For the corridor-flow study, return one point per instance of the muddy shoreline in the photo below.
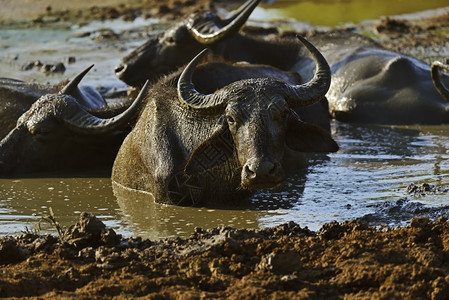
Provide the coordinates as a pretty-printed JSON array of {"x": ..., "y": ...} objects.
[{"x": 348, "y": 259}]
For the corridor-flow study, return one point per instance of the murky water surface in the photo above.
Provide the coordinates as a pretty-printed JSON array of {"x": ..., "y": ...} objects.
[
  {"x": 371, "y": 171},
  {"x": 367, "y": 177}
]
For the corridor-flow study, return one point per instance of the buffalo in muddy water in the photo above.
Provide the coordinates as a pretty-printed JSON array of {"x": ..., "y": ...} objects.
[
  {"x": 57, "y": 134},
  {"x": 166, "y": 52},
  {"x": 374, "y": 85},
  {"x": 369, "y": 84},
  {"x": 191, "y": 146}
]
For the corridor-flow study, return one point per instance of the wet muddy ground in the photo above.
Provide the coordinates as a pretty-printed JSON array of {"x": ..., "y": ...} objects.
[{"x": 347, "y": 259}]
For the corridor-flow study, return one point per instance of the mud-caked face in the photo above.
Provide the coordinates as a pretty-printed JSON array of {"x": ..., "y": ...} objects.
[
  {"x": 258, "y": 127},
  {"x": 161, "y": 54},
  {"x": 39, "y": 120},
  {"x": 38, "y": 142}
]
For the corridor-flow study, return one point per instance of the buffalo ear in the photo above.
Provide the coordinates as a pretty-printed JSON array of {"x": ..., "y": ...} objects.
[
  {"x": 215, "y": 150},
  {"x": 305, "y": 137}
]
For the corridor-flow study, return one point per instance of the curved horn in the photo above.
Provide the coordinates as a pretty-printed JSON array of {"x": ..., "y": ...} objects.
[
  {"x": 190, "y": 97},
  {"x": 70, "y": 87},
  {"x": 232, "y": 25},
  {"x": 312, "y": 91},
  {"x": 74, "y": 117},
  {"x": 436, "y": 78}
]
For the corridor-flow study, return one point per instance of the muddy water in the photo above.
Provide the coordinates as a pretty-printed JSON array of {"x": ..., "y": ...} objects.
[
  {"x": 367, "y": 178},
  {"x": 95, "y": 43}
]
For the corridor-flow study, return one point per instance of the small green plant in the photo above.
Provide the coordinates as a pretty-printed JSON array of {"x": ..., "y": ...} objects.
[{"x": 50, "y": 218}]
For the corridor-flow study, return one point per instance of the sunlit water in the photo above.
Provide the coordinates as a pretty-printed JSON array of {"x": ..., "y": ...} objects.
[{"x": 368, "y": 175}]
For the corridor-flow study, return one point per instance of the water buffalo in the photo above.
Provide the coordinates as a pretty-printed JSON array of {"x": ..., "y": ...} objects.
[
  {"x": 190, "y": 147},
  {"x": 166, "y": 52},
  {"x": 374, "y": 85},
  {"x": 369, "y": 84},
  {"x": 58, "y": 134},
  {"x": 17, "y": 96}
]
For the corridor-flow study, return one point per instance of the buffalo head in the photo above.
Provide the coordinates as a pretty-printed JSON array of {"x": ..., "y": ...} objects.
[
  {"x": 173, "y": 48},
  {"x": 256, "y": 121},
  {"x": 58, "y": 134}
]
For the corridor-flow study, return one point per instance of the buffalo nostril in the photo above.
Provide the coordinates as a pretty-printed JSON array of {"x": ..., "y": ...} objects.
[
  {"x": 120, "y": 69},
  {"x": 249, "y": 173}
]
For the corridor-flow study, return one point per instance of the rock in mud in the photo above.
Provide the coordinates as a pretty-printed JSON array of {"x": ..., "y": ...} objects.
[
  {"x": 284, "y": 262},
  {"x": 89, "y": 230},
  {"x": 423, "y": 189},
  {"x": 44, "y": 67}
]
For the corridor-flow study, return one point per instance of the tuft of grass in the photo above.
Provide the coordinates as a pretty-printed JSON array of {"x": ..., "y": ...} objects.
[{"x": 50, "y": 219}]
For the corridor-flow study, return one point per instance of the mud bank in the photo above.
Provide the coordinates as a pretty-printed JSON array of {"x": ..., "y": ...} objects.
[{"x": 341, "y": 260}]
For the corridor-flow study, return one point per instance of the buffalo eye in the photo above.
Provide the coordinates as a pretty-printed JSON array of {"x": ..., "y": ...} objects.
[
  {"x": 170, "y": 40},
  {"x": 37, "y": 130},
  {"x": 230, "y": 120},
  {"x": 34, "y": 130}
]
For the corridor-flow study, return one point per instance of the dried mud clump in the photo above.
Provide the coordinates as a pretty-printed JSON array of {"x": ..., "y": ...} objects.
[
  {"x": 424, "y": 37},
  {"x": 341, "y": 260},
  {"x": 396, "y": 27},
  {"x": 426, "y": 189}
]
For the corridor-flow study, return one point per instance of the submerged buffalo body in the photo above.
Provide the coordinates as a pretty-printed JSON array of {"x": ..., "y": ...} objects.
[
  {"x": 374, "y": 85},
  {"x": 167, "y": 51},
  {"x": 369, "y": 84},
  {"x": 58, "y": 134},
  {"x": 191, "y": 146}
]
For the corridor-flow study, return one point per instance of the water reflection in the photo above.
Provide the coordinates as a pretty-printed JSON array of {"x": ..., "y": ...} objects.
[
  {"x": 375, "y": 165},
  {"x": 24, "y": 201},
  {"x": 149, "y": 219}
]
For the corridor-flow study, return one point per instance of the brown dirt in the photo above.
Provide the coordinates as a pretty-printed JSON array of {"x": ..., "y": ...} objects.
[
  {"x": 347, "y": 260},
  {"x": 426, "y": 38}
]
